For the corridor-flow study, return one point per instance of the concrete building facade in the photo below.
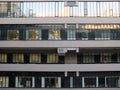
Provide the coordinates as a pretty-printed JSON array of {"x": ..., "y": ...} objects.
[{"x": 59, "y": 44}]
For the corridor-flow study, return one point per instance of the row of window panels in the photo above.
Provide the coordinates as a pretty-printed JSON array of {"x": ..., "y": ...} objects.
[
  {"x": 88, "y": 80},
  {"x": 53, "y": 58},
  {"x": 59, "y": 9},
  {"x": 60, "y": 26},
  {"x": 60, "y": 34}
]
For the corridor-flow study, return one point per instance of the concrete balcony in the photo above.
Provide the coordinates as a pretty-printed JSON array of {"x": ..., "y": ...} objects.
[
  {"x": 61, "y": 44},
  {"x": 60, "y": 67},
  {"x": 61, "y": 20}
]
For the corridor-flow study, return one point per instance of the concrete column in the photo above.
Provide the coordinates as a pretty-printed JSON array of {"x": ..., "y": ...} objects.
[
  {"x": 65, "y": 74},
  {"x": 105, "y": 81},
  {"x": 77, "y": 25},
  {"x": 43, "y": 82},
  {"x": 16, "y": 82},
  {"x": 7, "y": 81},
  {"x": 59, "y": 82},
  {"x": 97, "y": 82},
  {"x": 71, "y": 82},
  {"x": 27, "y": 34},
  {"x": 77, "y": 74},
  {"x": 65, "y": 25},
  {"x": 33, "y": 81},
  {"x": 119, "y": 82},
  {"x": 83, "y": 82}
]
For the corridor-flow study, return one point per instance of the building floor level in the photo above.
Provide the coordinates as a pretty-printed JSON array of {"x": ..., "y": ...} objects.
[{"x": 26, "y": 79}]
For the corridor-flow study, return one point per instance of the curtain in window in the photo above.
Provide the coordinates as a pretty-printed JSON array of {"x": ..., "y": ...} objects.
[
  {"x": 3, "y": 57},
  {"x": 35, "y": 58},
  {"x": 54, "y": 35},
  {"x": 52, "y": 58},
  {"x": 105, "y": 58},
  {"x": 32, "y": 35},
  {"x": 18, "y": 58},
  {"x": 4, "y": 81},
  {"x": 13, "y": 35},
  {"x": 25, "y": 81},
  {"x": 88, "y": 58}
]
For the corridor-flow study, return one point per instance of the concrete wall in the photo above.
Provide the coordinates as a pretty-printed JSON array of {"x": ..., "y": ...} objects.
[
  {"x": 62, "y": 44},
  {"x": 60, "y": 67},
  {"x": 60, "y": 20}
]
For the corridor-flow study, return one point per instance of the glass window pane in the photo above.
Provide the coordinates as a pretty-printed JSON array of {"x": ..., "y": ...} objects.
[
  {"x": 33, "y": 34},
  {"x": 71, "y": 34},
  {"x": 105, "y": 58},
  {"x": 35, "y": 58},
  {"x": 54, "y": 35},
  {"x": 52, "y": 58},
  {"x": 3, "y": 57},
  {"x": 112, "y": 81},
  {"x": 88, "y": 58},
  {"x": 52, "y": 82},
  {"x": 18, "y": 58},
  {"x": 102, "y": 82},
  {"x": 25, "y": 81},
  {"x": 13, "y": 35},
  {"x": 90, "y": 82},
  {"x": 4, "y": 81}
]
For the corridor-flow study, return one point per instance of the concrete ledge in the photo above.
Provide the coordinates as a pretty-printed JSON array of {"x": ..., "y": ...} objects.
[
  {"x": 61, "y": 20},
  {"x": 60, "y": 67},
  {"x": 58, "y": 44}
]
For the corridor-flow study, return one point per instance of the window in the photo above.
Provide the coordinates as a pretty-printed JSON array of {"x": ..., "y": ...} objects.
[
  {"x": 105, "y": 58},
  {"x": 90, "y": 82},
  {"x": 101, "y": 81},
  {"x": 18, "y": 58},
  {"x": 71, "y": 3},
  {"x": 102, "y": 35},
  {"x": 4, "y": 81},
  {"x": 71, "y": 34},
  {"x": 54, "y": 35},
  {"x": 13, "y": 35},
  {"x": 112, "y": 81},
  {"x": 88, "y": 58},
  {"x": 85, "y": 9},
  {"x": 84, "y": 34},
  {"x": 51, "y": 82},
  {"x": 25, "y": 81},
  {"x": 118, "y": 58},
  {"x": 52, "y": 58},
  {"x": 33, "y": 35},
  {"x": 3, "y": 57},
  {"x": 35, "y": 58}
]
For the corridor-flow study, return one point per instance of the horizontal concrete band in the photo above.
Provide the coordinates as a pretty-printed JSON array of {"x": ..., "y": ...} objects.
[
  {"x": 60, "y": 67},
  {"x": 61, "y": 20},
  {"x": 60, "y": 44}
]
